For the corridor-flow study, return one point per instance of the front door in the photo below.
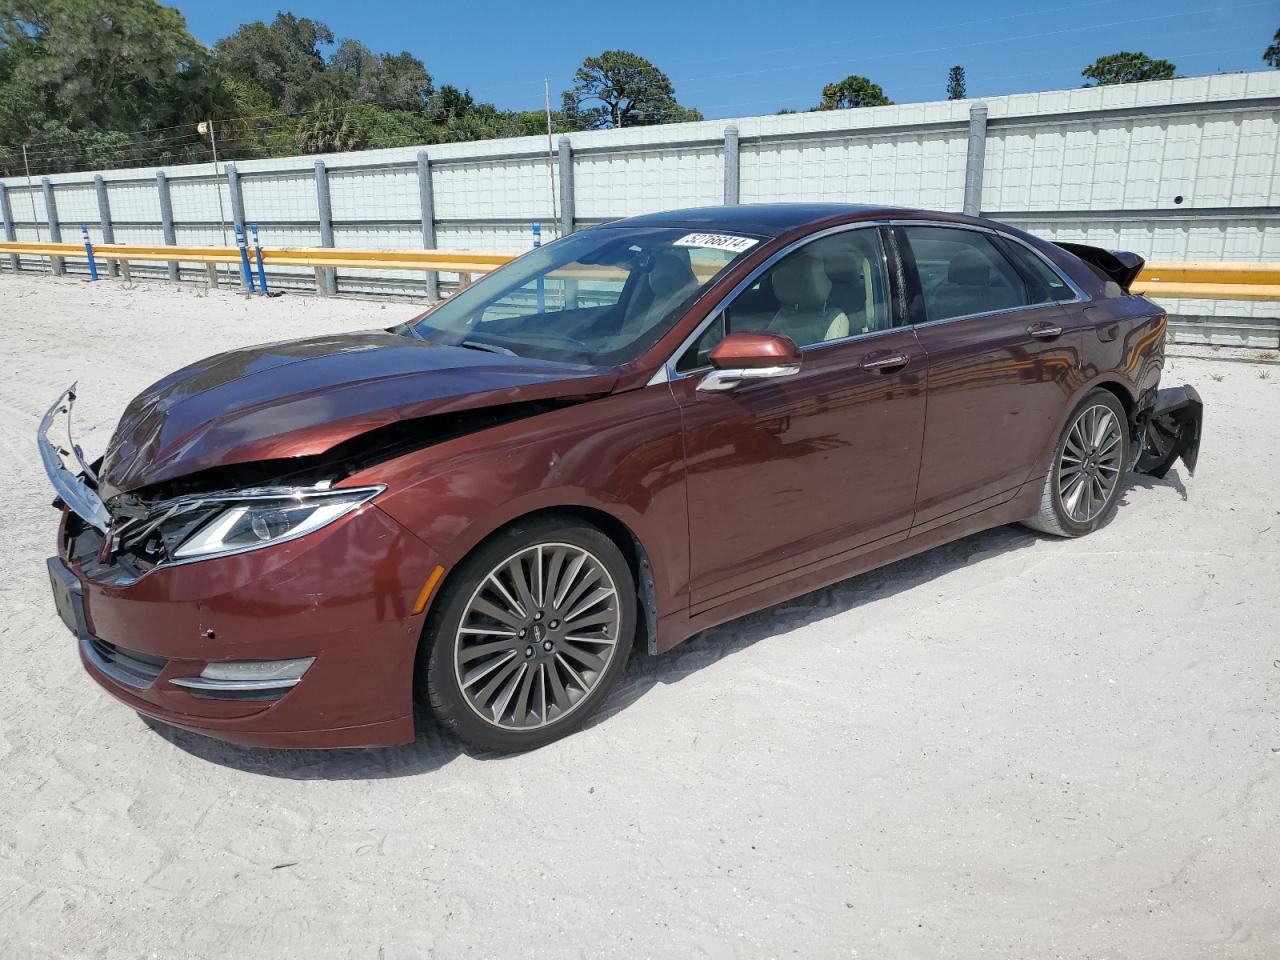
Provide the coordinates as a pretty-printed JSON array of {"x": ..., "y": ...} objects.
[{"x": 784, "y": 475}]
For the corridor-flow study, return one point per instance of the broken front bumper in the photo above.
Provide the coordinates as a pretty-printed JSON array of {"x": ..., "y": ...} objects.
[
  {"x": 73, "y": 489},
  {"x": 1170, "y": 430}
]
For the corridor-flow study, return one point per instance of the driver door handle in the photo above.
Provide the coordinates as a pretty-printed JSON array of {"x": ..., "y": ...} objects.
[
  {"x": 885, "y": 361},
  {"x": 1044, "y": 330}
]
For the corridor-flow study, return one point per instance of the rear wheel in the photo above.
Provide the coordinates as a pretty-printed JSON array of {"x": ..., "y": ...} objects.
[
  {"x": 529, "y": 634},
  {"x": 1087, "y": 470}
]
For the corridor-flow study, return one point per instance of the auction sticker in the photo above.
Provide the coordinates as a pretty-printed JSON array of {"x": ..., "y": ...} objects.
[{"x": 717, "y": 241}]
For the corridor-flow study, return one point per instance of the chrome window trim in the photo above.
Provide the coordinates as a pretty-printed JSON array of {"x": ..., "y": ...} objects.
[{"x": 667, "y": 372}]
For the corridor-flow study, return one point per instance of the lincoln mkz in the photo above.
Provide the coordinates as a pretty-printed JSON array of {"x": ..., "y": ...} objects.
[{"x": 617, "y": 440}]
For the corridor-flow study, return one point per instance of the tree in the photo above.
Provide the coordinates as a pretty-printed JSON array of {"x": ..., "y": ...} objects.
[
  {"x": 1126, "y": 67},
  {"x": 1272, "y": 54},
  {"x": 956, "y": 89},
  {"x": 99, "y": 64},
  {"x": 282, "y": 58},
  {"x": 621, "y": 89},
  {"x": 852, "y": 91},
  {"x": 394, "y": 81}
]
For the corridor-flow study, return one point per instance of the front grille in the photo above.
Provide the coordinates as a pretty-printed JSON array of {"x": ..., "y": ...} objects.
[{"x": 124, "y": 666}]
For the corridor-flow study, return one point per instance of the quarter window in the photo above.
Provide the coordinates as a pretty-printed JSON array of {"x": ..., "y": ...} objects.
[
  {"x": 830, "y": 289},
  {"x": 1044, "y": 284},
  {"x": 962, "y": 272}
]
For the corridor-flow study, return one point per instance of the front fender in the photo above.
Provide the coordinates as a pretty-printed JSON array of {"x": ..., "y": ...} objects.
[{"x": 620, "y": 455}]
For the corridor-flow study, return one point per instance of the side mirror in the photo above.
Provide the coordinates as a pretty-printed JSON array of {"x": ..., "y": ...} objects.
[{"x": 750, "y": 356}]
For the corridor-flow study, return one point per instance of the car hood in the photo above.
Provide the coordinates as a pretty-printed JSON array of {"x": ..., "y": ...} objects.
[{"x": 301, "y": 397}]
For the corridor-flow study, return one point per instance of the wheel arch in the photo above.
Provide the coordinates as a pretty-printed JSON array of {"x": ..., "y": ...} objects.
[{"x": 613, "y": 527}]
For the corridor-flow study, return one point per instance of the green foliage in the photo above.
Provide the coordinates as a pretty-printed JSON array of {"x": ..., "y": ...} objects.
[
  {"x": 283, "y": 58},
  {"x": 1272, "y": 54},
  {"x": 852, "y": 91},
  {"x": 88, "y": 84},
  {"x": 1126, "y": 67},
  {"x": 75, "y": 67},
  {"x": 956, "y": 89},
  {"x": 398, "y": 81},
  {"x": 622, "y": 89}
]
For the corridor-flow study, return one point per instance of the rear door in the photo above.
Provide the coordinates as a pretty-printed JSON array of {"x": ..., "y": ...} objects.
[{"x": 1002, "y": 361}]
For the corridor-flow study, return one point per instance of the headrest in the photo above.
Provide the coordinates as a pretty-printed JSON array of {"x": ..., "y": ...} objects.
[
  {"x": 969, "y": 269},
  {"x": 843, "y": 267},
  {"x": 670, "y": 272},
  {"x": 801, "y": 282}
]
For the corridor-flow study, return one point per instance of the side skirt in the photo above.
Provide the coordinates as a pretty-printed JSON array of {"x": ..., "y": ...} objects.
[{"x": 678, "y": 627}]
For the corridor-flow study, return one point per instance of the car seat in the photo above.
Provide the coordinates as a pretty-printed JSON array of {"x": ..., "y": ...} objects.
[{"x": 803, "y": 289}]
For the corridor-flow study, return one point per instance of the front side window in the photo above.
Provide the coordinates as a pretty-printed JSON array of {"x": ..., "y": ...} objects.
[
  {"x": 962, "y": 272},
  {"x": 830, "y": 289},
  {"x": 602, "y": 296}
]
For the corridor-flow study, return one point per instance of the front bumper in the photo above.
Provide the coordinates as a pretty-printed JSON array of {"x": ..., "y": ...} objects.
[
  {"x": 343, "y": 596},
  {"x": 341, "y": 599}
]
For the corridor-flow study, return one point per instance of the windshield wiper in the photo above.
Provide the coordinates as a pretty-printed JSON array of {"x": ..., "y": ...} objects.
[{"x": 488, "y": 348}]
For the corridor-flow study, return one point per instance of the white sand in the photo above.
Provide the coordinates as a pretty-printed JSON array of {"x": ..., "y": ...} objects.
[{"x": 1007, "y": 747}]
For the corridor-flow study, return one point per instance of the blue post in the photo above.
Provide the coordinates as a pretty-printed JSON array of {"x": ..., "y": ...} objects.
[
  {"x": 245, "y": 273},
  {"x": 88, "y": 252},
  {"x": 542, "y": 289},
  {"x": 257, "y": 253}
]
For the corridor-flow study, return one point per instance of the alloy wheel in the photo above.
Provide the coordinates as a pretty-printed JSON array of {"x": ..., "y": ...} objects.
[
  {"x": 1090, "y": 464},
  {"x": 536, "y": 636}
]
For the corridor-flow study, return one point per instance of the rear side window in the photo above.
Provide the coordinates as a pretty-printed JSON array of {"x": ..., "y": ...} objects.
[
  {"x": 1044, "y": 284},
  {"x": 962, "y": 272}
]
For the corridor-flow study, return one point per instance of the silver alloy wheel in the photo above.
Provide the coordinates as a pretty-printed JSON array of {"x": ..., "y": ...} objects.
[
  {"x": 1090, "y": 465},
  {"x": 536, "y": 636}
]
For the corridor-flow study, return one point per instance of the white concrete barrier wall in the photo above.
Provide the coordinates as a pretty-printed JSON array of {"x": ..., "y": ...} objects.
[{"x": 1177, "y": 169}]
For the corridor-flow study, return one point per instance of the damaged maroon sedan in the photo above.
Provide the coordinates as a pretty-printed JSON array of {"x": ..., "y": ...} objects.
[{"x": 622, "y": 438}]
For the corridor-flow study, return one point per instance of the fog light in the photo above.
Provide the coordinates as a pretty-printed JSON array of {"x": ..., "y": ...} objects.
[
  {"x": 258, "y": 669},
  {"x": 241, "y": 676}
]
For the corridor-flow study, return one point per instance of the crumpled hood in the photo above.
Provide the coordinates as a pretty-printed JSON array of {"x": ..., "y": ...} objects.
[{"x": 301, "y": 397}]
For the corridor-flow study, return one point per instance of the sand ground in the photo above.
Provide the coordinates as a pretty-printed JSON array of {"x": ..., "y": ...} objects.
[{"x": 1011, "y": 746}]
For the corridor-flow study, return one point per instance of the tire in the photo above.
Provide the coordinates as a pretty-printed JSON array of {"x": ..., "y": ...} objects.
[
  {"x": 1084, "y": 501},
  {"x": 508, "y": 682}
]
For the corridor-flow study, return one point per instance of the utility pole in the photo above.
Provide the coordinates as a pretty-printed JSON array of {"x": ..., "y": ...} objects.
[
  {"x": 207, "y": 125},
  {"x": 31, "y": 194},
  {"x": 551, "y": 153}
]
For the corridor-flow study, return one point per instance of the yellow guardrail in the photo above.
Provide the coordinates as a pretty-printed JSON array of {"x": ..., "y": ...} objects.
[
  {"x": 1192, "y": 279},
  {"x": 1210, "y": 280}
]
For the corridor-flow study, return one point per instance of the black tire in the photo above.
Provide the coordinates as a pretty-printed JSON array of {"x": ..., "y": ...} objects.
[
  {"x": 439, "y": 671},
  {"x": 1054, "y": 516}
]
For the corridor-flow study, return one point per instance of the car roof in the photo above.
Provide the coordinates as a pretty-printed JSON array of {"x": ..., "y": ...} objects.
[{"x": 767, "y": 219}]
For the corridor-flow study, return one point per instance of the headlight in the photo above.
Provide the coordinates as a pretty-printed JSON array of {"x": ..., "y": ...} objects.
[{"x": 214, "y": 525}]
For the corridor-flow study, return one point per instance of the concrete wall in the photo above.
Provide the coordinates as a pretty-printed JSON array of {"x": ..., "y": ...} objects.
[{"x": 1103, "y": 165}]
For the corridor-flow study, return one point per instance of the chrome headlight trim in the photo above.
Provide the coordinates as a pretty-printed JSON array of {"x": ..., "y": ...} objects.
[{"x": 237, "y": 504}]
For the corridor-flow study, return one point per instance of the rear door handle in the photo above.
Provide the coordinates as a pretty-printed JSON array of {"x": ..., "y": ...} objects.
[
  {"x": 1044, "y": 330},
  {"x": 884, "y": 361}
]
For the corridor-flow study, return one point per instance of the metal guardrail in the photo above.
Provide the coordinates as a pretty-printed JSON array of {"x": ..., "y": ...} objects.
[
  {"x": 1192, "y": 280},
  {"x": 1210, "y": 280}
]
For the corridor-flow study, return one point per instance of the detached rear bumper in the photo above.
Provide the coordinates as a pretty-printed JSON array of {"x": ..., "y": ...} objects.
[{"x": 1170, "y": 430}]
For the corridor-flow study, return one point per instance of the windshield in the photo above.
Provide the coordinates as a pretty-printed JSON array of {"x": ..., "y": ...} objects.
[{"x": 602, "y": 296}]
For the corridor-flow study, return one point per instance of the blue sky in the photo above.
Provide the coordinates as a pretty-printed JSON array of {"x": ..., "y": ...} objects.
[{"x": 739, "y": 59}]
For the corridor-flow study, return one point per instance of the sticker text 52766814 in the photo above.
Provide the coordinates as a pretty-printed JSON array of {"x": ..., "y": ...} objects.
[{"x": 717, "y": 241}]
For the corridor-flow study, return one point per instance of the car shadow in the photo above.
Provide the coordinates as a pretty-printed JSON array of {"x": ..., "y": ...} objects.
[
  {"x": 1143, "y": 481},
  {"x": 433, "y": 748}
]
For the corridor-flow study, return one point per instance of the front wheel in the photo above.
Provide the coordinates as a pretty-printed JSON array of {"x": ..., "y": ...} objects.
[
  {"x": 529, "y": 634},
  {"x": 1088, "y": 466}
]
